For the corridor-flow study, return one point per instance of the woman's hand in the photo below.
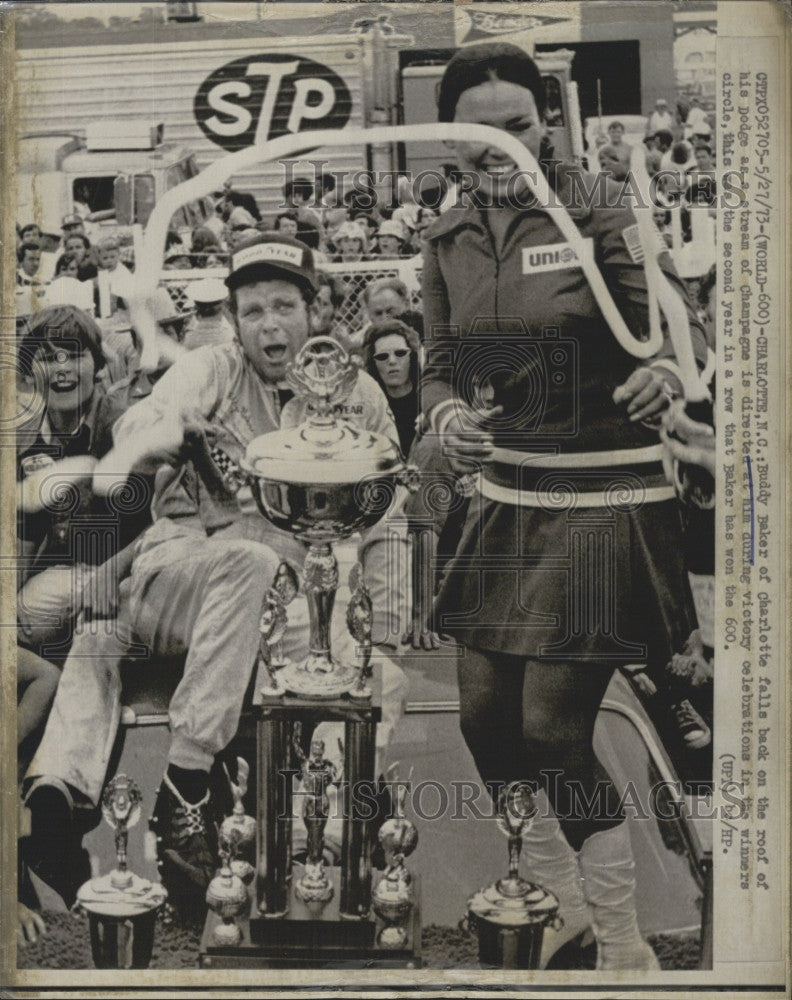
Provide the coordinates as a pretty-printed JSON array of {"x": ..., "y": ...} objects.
[
  {"x": 465, "y": 442},
  {"x": 692, "y": 442},
  {"x": 643, "y": 395}
]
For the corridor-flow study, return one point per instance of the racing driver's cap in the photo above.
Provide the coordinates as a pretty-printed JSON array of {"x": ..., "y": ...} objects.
[{"x": 273, "y": 255}]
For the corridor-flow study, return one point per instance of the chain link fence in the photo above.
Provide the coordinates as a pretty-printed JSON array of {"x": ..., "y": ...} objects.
[{"x": 350, "y": 279}]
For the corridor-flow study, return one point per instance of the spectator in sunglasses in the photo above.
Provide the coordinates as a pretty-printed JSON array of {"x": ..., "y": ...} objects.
[{"x": 391, "y": 352}]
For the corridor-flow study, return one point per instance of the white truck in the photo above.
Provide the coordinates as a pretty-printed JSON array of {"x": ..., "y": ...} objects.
[{"x": 112, "y": 175}]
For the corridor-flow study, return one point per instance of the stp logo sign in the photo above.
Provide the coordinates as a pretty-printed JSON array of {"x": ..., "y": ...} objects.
[{"x": 264, "y": 96}]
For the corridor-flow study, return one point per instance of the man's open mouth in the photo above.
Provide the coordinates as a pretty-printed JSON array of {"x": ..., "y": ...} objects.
[
  {"x": 275, "y": 352},
  {"x": 63, "y": 386}
]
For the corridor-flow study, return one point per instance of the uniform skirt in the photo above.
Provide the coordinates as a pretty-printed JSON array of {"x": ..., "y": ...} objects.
[{"x": 591, "y": 585}]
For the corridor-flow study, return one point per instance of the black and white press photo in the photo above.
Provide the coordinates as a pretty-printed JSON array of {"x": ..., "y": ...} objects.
[{"x": 393, "y": 433}]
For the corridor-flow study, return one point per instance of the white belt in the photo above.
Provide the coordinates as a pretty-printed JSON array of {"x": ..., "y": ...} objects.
[
  {"x": 563, "y": 501},
  {"x": 582, "y": 459}
]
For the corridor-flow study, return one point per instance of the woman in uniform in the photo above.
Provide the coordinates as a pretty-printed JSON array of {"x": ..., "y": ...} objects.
[{"x": 569, "y": 563}]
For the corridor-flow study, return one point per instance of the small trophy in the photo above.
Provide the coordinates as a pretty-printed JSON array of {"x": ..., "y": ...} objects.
[
  {"x": 238, "y": 831},
  {"x": 510, "y": 915},
  {"x": 393, "y": 898},
  {"x": 359, "y": 618},
  {"x": 227, "y": 896},
  {"x": 122, "y": 907},
  {"x": 317, "y": 774},
  {"x": 272, "y": 627},
  {"x": 286, "y": 585}
]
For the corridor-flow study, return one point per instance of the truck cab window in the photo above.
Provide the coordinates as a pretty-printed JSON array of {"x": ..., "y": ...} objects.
[{"x": 93, "y": 193}]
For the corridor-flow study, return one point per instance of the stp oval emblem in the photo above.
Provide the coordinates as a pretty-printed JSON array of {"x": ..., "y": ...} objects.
[{"x": 262, "y": 97}]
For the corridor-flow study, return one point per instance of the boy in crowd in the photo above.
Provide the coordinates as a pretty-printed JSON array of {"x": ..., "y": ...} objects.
[
  {"x": 60, "y": 553},
  {"x": 201, "y": 572}
]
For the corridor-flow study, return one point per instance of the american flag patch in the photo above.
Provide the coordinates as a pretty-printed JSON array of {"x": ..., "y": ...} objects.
[{"x": 632, "y": 240}]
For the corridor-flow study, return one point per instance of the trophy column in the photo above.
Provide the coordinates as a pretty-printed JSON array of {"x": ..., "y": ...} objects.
[
  {"x": 356, "y": 846},
  {"x": 273, "y": 841}
]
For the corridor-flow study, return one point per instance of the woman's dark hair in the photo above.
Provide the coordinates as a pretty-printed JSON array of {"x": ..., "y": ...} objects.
[
  {"x": 681, "y": 153},
  {"x": 336, "y": 295},
  {"x": 385, "y": 329},
  {"x": 244, "y": 199},
  {"x": 299, "y": 186},
  {"x": 55, "y": 324},
  {"x": 203, "y": 243},
  {"x": 706, "y": 286},
  {"x": 477, "y": 64},
  {"x": 62, "y": 261},
  {"x": 308, "y": 234}
]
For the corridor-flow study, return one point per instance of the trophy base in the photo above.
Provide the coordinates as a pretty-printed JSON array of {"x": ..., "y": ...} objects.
[
  {"x": 316, "y": 937},
  {"x": 227, "y": 935},
  {"x": 323, "y": 686},
  {"x": 314, "y": 886}
]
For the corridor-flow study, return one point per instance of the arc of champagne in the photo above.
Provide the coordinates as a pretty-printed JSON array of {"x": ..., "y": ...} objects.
[
  {"x": 662, "y": 294},
  {"x": 147, "y": 272}
]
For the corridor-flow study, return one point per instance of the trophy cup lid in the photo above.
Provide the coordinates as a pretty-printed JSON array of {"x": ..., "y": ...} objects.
[{"x": 325, "y": 448}]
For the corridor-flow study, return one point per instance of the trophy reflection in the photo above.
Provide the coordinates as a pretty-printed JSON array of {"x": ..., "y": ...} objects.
[
  {"x": 122, "y": 907},
  {"x": 510, "y": 915}
]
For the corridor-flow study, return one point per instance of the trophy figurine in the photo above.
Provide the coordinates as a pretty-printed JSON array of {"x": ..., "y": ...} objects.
[
  {"x": 238, "y": 831},
  {"x": 323, "y": 480},
  {"x": 317, "y": 774},
  {"x": 393, "y": 898},
  {"x": 359, "y": 618},
  {"x": 286, "y": 585},
  {"x": 227, "y": 896},
  {"x": 272, "y": 625},
  {"x": 510, "y": 915},
  {"x": 122, "y": 907}
]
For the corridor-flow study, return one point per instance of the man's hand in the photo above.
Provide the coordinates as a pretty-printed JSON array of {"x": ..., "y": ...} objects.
[
  {"x": 39, "y": 490},
  {"x": 246, "y": 501},
  {"x": 30, "y": 926},
  {"x": 643, "y": 395},
  {"x": 465, "y": 442},
  {"x": 420, "y": 637},
  {"x": 168, "y": 439}
]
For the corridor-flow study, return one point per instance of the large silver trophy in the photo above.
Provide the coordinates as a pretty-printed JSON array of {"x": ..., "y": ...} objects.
[{"x": 323, "y": 481}]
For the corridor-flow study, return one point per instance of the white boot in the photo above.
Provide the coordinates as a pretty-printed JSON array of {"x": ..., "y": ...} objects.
[
  {"x": 552, "y": 863},
  {"x": 608, "y": 871}
]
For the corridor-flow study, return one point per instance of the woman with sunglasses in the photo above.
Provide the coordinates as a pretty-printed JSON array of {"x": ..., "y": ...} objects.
[
  {"x": 570, "y": 560},
  {"x": 391, "y": 357}
]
